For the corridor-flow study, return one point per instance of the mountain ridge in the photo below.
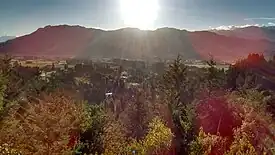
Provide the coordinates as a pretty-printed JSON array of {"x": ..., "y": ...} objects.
[
  {"x": 250, "y": 32},
  {"x": 165, "y": 43}
]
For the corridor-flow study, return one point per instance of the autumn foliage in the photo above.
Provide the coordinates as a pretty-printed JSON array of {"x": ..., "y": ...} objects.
[
  {"x": 50, "y": 125},
  {"x": 94, "y": 108}
]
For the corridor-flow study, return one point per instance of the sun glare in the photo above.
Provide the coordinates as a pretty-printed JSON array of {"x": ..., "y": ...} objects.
[{"x": 139, "y": 13}]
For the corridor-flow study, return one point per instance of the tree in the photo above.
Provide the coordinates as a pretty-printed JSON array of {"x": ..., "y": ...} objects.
[
  {"x": 138, "y": 117},
  {"x": 3, "y": 87},
  {"x": 173, "y": 86},
  {"x": 66, "y": 66},
  {"x": 5, "y": 72},
  {"x": 232, "y": 75},
  {"x": 5, "y": 64},
  {"x": 53, "y": 67},
  {"x": 50, "y": 125},
  {"x": 235, "y": 123},
  {"x": 93, "y": 137},
  {"x": 172, "y": 83},
  {"x": 156, "y": 142},
  {"x": 114, "y": 138},
  {"x": 214, "y": 76}
]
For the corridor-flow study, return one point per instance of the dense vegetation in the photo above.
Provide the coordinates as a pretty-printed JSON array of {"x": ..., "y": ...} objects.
[{"x": 131, "y": 107}]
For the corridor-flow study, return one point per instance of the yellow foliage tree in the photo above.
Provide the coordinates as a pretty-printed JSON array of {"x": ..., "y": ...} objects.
[
  {"x": 114, "y": 139},
  {"x": 241, "y": 146},
  {"x": 43, "y": 126},
  {"x": 206, "y": 144},
  {"x": 157, "y": 141}
]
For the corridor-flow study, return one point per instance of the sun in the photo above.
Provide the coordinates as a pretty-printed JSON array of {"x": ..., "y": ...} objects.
[{"x": 140, "y": 14}]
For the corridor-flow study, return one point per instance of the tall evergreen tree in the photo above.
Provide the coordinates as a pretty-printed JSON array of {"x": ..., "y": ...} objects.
[{"x": 174, "y": 81}]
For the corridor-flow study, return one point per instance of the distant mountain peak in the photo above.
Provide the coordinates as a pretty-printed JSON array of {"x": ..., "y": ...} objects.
[
  {"x": 233, "y": 27},
  {"x": 6, "y": 38},
  {"x": 251, "y": 32}
]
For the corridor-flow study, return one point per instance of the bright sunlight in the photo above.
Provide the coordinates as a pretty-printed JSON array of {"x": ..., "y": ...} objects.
[{"x": 139, "y": 13}]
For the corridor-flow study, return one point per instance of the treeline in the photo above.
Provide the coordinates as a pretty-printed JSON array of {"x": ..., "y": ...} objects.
[{"x": 163, "y": 109}]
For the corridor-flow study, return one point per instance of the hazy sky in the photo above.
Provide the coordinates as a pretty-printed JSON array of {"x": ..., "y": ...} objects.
[{"x": 18, "y": 17}]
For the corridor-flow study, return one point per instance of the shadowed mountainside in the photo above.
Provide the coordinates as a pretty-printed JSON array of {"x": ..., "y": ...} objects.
[{"x": 164, "y": 43}]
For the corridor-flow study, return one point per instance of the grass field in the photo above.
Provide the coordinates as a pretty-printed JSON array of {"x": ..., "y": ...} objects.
[
  {"x": 41, "y": 63},
  {"x": 225, "y": 67}
]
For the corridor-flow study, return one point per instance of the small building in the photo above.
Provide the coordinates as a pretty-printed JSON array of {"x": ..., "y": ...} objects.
[
  {"x": 133, "y": 85},
  {"x": 107, "y": 95},
  {"x": 124, "y": 75},
  {"x": 44, "y": 75}
]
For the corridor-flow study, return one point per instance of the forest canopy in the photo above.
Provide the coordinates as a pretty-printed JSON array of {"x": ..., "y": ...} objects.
[{"x": 132, "y": 107}]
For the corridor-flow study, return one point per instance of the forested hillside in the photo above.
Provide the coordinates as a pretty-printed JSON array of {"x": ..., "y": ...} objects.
[{"x": 132, "y": 107}]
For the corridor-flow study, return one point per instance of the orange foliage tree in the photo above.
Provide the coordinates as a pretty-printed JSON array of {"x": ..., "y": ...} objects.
[{"x": 44, "y": 126}]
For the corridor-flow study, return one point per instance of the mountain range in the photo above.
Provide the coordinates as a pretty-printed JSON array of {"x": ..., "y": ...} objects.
[
  {"x": 6, "y": 38},
  {"x": 165, "y": 43},
  {"x": 250, "y": 32}
]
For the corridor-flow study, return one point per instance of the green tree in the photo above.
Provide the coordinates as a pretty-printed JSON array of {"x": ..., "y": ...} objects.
[
  {"x": 173, "y": 82},
  {"x": 214, "y": 77},
  {"x": 173, "y": 86},
  {"x": 93, "y": 137},
  {"x": 3, "y": 87},
  {"x": 5, "y": 71}
]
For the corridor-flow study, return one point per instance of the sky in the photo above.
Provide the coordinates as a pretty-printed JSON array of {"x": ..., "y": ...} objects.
[{"x": 20, "y": 17}]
